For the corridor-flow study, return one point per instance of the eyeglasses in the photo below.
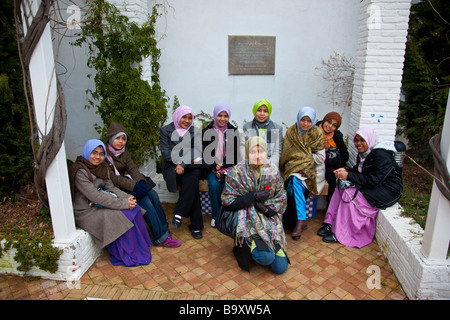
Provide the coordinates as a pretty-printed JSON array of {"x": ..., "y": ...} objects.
[{"x": 100, "y": 154}]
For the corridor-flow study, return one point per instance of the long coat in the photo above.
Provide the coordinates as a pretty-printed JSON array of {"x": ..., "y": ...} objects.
[
  {"x": 104, "y": 224},
  {"x": 123, "y": 163}
]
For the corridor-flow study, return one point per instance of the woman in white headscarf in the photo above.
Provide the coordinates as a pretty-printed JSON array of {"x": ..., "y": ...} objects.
[{"x": 376, "y": 184}]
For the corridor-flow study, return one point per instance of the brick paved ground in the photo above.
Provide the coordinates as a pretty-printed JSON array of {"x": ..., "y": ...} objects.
[{"x": 205, "y": 269}]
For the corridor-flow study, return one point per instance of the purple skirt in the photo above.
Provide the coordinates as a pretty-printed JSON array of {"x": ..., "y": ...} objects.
[
  {"x": 353, "y": 220},
  {"x": 133, "y": 247}
]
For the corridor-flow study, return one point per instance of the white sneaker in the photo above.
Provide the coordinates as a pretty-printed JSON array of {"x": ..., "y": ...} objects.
[{"x": 213, "y": 223}]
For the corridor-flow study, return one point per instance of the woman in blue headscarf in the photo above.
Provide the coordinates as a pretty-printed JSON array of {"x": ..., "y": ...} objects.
[
  {"x": 302, "y": 166},
  {"x": 220, "y": 152},
  {"x": 108, "y": 214}
]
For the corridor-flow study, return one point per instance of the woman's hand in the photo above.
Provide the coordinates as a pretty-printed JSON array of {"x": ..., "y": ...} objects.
[
  {"x": 131, "y": 202},
  {"x": 179, "y": 169},
  {"x": 341, "y": 173},
  {"x": 219, "y": 166}
]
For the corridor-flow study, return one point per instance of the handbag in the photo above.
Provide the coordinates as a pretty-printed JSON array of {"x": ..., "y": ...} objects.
[{"x": 227, "y": 221}]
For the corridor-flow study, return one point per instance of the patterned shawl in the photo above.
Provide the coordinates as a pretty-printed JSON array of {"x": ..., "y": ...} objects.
[
  {"x": 242, "y": 179},
  {"x": 297, "y": 157}
]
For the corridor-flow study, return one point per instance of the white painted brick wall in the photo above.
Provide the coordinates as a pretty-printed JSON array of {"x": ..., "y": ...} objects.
[
  {"x": 400, "y": 239},
  {"x": 379, "y": 66},
  {"x": 76, "y": 259}
]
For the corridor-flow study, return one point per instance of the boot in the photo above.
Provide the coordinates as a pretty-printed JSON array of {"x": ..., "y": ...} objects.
[{"x": 299, "y": 228}]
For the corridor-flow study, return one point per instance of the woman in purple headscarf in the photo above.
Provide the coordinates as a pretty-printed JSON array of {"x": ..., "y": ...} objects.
[
  {"x": 220, "y": 152},
  {"x": 181, "y": 149},
  {"x": 374, "y": 183}
]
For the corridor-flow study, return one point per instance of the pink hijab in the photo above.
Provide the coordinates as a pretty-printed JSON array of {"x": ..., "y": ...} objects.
[
  {"x": 371, "y": 137},
  {"x": 176, "y": 117}
]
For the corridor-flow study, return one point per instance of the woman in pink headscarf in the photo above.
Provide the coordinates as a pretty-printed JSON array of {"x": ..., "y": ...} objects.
[
  {"x": 181, "y": 149},
  {"x": 374, "y": 183}
]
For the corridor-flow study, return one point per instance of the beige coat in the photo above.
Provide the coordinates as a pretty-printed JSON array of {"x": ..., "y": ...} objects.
[{"x": 104, "y": 224}]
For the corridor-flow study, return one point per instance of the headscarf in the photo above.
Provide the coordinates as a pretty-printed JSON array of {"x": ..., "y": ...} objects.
[
  {"x": 249, "y": 144},
  {"x": 329, "y": 142},
  {"x": 261, "y": 102},
  {"x": 82, "y": 162},
  {"x": 254, "y": 141},
  {"x": 220, "y": 150},
  {"x": 306, "y": 111},
  {"x": 176, "y": 117},
  {"x": 371, "y": 137},
  {"x": 89, "y": 146}
]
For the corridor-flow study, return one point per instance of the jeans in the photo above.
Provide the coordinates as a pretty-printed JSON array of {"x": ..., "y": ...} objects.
[
  {"x": 215, "y": 188},
  {"x": 155, "y": 216},
  {"x": 277, "y": 264}
]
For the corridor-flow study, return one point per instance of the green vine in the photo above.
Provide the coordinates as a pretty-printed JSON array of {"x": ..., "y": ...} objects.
[
  {"x": 32, "y": 248},
  {"x": 117, "y": 47}
]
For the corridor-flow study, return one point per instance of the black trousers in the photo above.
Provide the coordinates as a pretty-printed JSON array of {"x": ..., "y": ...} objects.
[{"x": 188, "y": 205}]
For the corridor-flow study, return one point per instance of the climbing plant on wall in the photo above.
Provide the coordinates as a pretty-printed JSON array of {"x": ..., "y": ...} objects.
[{"x": 117, "y": 47}]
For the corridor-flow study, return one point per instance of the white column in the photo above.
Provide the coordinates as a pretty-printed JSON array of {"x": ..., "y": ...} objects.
[
  {"x": 43, "y": 83},
  {"x": 382, "y": 31},
  {"x": 437, "y": 230}
]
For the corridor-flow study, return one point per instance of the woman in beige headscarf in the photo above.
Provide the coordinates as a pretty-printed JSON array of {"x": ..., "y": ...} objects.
[{"x": 254, "y": 188}]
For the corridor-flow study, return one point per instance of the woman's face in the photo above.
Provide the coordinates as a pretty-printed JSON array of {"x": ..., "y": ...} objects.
[
  {"x": 185, "y": 121},
  {"x": 360, "y": 144},
  {"x": 257, "y": 156},
  {"x": 97, "y": 156},
  {"x": 119, "y": 142},
  {"x": 222, "y": 119},
  {"x": 305, "y": 123},
  {"x": 262, "y": 114},
  {"x": 330, "y": 125}
]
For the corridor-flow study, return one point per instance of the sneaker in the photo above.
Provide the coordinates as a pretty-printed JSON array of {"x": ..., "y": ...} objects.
[
  {"x": 176, "y": 221},
  {"x": 324, "y": 230},
  {"x": 197, "y": 234},
  {"x": 213, "y": 223},
  {"x": 169, "y": 243}
]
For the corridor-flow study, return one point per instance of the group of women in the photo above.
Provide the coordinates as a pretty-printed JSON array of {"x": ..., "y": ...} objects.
[{"x": 261, "y": 175}]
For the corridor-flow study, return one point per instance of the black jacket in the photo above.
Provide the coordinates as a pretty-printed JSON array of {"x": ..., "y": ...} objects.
[
  {"x": 231, "y": 145},
  {"x": 380, "y": 181},
  {"x": 335, "y": 160}
]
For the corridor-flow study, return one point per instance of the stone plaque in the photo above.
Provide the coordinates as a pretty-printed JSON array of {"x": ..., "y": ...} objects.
[{"x": 251, "y": 55}]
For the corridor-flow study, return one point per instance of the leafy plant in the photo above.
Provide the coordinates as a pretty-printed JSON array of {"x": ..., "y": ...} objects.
[
  {"x": 16, "y": 156},
  {"x": 32, "y": 248},
  {"x": 117, "y": 47},
  {"x": 426, "y": 76}
]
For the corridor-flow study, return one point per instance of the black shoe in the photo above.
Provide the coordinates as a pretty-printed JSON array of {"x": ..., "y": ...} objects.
[
  {"x": 176, "y": 222},
  {"x": 324, "y": 230},
  {"x": 197, "y": 234},
  {"x": 330, "y": 238}
]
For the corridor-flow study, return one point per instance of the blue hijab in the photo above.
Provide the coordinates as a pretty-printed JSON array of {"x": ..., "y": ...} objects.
[
  {"x": 306, "y": 111},
  {"x": 90, "y": 146}
]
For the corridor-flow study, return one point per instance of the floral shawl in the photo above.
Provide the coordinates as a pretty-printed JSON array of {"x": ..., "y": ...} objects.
[
  {"x": 297, "y": 155},
  {"x": 242, "y": 179}
]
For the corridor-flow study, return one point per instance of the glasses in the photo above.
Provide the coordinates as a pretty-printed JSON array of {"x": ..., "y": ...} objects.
[{"x": 100, "y": 154}]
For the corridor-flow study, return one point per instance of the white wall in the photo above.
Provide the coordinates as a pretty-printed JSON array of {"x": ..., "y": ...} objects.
[{"x": 194, "y": 60}]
